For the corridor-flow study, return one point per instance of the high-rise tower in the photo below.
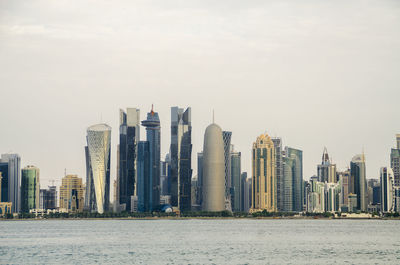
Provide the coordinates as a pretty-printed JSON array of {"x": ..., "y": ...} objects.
[
  {"x": 326, "y": 170},
  {"x": 358, "y": 181},
  {"x": 278, "y": 172},
  {"x": 227, "y": 136},
  {"x": 213, "y": 189},
  {"x": 153, "y": 137},
  {"x": 386, "y": 189},
  {"x": 71, "y": 193},
  {"x": 292, "y": 184},
  {"x": 30, "y": 179},
  {"x": 395, "y": 161},
  {"x": 98, "y": 153},
  {"x": 236, "y": 181},
  {"x": 10, "y": 166},
  {"x": 181, "y": 158},
  {"x": 129, "y": 135},
  {"x": 264, "y": 179}
]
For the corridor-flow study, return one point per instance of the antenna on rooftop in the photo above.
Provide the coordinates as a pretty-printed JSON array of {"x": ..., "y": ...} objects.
[
  {"x": 213, "y": 116},
  {"x": 65, "y": 172}
]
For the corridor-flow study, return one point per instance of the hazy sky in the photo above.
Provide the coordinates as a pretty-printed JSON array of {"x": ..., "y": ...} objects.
[{"x": 316, "y": 73}]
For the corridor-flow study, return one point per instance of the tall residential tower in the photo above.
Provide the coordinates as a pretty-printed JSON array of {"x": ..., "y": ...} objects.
[{"x": 264, "y": 179}]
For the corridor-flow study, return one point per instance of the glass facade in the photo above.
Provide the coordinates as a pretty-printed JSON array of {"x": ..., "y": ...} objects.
[
  {"x": 4, "y": 182},
  {"x": 358, "y": 181},
  {"x": 98, "y": 167},
  {"x": 181, "y": 158},
  {"x": 152, "y": 125},
  {"x": 30, "y": 188},
  {"x": 127, "y": 151},
  {"x": 13, "y": 179},
  {"x": 48, "y": 198},
  {"x": 143, "y": 173},
  {"x": 236, "y": 181}
]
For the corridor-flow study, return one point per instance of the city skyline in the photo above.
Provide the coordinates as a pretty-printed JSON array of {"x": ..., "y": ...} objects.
[{"x": 317, "y": 72}]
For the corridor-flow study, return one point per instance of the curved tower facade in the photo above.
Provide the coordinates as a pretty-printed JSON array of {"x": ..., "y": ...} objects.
[
  {"x": 98, "y": 155},
  {"x": 213, "y": 170}
]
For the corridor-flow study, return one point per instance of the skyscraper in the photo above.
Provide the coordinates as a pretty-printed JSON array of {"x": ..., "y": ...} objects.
[
  {"x": 181, "y": 158},
  {"x": 236, "y": 182},
  {"x": 71, "y": 194},
  {"x": 152, "y": 125},
  {"x": 386, "y": 189},
  {"x": 292, "y": 184},
  {"x": 358, "y": 177},
  {"x": 10, "y": 164},
  {"x": 344, "y": 179},
  {"x": 144, "y": 188},
  {"x": 278, "y": 172},
  {"x": 165, "y": 176},
  {"x": 200, "y": 177},
  {"x": 246, "y": 193},
  {"x": 264, "y": 179},
  {"x": 48, "y": 198},
  {"x": 129, "y": 135},
  {"x": 227, "y": 136},
  {"x": 326, "y": 170},
  {"x": 395, "y": 161},
  {"x": 213, "y": 189},
  {"x": 30, "y": 179},
  {"x": 98, "y": 167}
]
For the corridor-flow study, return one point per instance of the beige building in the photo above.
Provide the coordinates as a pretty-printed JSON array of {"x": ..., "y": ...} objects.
[
  {"x": 264, "y": 179},
  {"x": 71, "y": 194}
]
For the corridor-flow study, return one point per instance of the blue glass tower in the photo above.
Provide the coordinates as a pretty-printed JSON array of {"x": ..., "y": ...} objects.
[
  {"x": 152, "y": 125},
  {"x": 143, "y": 174}
]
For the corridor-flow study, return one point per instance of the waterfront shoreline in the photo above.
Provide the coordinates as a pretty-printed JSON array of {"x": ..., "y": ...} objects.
[{"x": 206, "y": 218}]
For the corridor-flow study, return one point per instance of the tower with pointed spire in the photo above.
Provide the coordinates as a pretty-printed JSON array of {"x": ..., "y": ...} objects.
[{"x": 326, "y": 170}]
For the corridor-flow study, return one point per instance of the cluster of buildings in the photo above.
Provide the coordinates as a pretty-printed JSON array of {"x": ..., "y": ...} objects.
[
  {"x": 349, "y": 191},
  {"x": 145, "y": 182}
]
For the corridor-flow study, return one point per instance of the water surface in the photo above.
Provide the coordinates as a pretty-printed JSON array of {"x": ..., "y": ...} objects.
[{"x": 230, "y": 241}]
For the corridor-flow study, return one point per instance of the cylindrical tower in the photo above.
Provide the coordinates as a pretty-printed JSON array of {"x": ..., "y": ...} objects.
[{"x": 213, "y": 170}]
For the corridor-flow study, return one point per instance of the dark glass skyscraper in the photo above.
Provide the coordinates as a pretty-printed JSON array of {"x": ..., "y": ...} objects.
[
  {"x": 292, "y": 184},
  {"x": 236, "y": 172},
  {"x": 143, "y": 180},
  {"x": 200, "y": 178},
  {"x": 358, "y": 181},
  {"x": 181, "y": 158},
  {"x": 11, "y": 171},
  {"x": 152, "y": 125},
  {"x": 129, "y": 135}
]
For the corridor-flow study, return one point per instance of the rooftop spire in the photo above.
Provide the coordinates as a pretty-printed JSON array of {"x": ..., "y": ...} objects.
[
  {"x": 213, "y": 117},
  {"x": 325, "y": 156},
  {"x": 152, "y": 109}
]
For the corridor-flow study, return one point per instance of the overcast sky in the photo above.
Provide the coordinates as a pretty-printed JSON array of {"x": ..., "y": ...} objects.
[{"x": 316, "y": 73}]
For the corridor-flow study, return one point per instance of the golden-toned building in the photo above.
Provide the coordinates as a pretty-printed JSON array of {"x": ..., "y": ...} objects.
[
  {"x": 71, "y": 194},
  {"x": 264, "y": 179}
]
